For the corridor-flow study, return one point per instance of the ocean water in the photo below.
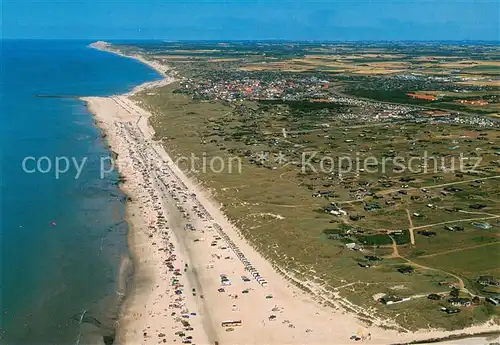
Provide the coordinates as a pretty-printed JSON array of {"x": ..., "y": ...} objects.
[{"x": 62, "y": 238}]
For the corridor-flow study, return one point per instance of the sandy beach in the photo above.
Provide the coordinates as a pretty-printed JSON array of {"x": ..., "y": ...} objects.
[{"x": 193, "y": 269}]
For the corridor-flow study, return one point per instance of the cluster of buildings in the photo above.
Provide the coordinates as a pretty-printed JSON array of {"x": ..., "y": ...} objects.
[
  {"x": 478, "y": 102},
  {"x": 488, "y": 281},
  {"x": 454, "y": 300},
  {"x": 237, "y": 86},
  {"x": 232, "y": 86}
]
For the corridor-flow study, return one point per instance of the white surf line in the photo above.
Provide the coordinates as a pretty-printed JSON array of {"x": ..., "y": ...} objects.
[{"x": 81, "y": 317}]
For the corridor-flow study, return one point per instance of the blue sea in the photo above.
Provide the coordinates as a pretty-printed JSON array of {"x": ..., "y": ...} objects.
[{"x": 63, "y": 238}]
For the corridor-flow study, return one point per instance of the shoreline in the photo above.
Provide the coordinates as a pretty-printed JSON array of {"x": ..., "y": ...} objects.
[
  {"x": 143, "y": 290},
  {"x": 115, "y": 115},
  {"x": 106, "y": 47},
  {"x": 159, "y": 68}
]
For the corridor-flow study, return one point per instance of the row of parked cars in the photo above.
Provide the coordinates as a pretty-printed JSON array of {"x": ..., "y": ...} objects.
[{"x": 248, "y": 266}]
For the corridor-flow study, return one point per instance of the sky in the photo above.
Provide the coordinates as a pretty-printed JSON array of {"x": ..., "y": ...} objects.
[{"x": 334, "y": 20}]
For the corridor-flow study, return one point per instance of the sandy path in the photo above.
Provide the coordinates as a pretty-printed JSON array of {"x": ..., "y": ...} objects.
[{"x": 410, "y": 229}]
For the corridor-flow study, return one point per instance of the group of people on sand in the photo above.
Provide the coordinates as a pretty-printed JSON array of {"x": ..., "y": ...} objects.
[
  {"x": 157, "y": 180},
  {"x": 155, "y": 176},
  {"x": 179, "y": 192}
]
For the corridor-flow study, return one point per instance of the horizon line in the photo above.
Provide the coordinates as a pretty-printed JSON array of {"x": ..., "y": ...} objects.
[{"x": 165, "y": 40}]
